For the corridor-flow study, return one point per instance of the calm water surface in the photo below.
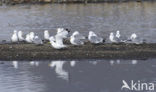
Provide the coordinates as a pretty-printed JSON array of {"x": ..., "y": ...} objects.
[
  {"x": 101, "y": 18},
  {"x": 78, "y": 75},
  {"x": 74, "y": 75}
]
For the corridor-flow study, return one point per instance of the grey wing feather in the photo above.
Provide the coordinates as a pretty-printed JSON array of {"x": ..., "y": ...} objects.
[
  {"x": 79, "y": 36},
  {"x": 79, "y": 42},
  {"x": 38, "y": 41},
  {"x": 95, "y": 39}
]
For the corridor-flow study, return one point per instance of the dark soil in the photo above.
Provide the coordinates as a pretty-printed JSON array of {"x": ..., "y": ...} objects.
[{"x": 88, "y": 51}]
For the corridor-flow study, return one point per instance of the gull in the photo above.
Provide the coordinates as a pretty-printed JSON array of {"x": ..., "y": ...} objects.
[
  {"x": 117, "y": 34},
  {"x": 135, "y": 39},
  {"x": 93, "y": 38},
  {"x": 27, "y": 39},
  {"x": 32, "y": 35},
  {"x": 20, "y": 36},
  {"x": 133, "y": 36},
  {"x": 46, "y": 35},
  {"x": 58, "y": 65},
  {"x": 15, "y": 64},
  {"x": 61, "y": 34},
  {"x": 14, "y": 37},
  {"x": 76, "y": 38},
  {"x": 111, "y": 37},
  {"x": 56, "y": 45},
  {"x": 119, "y": 38},
  {"x": 37, "y": 40}
]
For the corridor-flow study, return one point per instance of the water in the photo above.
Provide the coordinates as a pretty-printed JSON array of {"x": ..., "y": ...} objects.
[
  {"x": 74, "y": 75},
  {"x": 78, "y": 75},
  {"x": 101, "y": 18}
]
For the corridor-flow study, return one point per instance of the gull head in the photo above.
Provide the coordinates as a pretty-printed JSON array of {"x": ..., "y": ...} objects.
[
  {"x": 46, "y": 32},
  {"x": 67, "y": 30},
  {"x": 118, "y": 32},
  {"x": 91, "y": 33},
  {"x": 59, "y": 30},
  {"x": 32, "y": 33},
  {"x": 75, "y": 33},
  {"x": 15, "y": 31},
  {"x": 111, "y": 34},
  {"x": 19, "y": 32}
]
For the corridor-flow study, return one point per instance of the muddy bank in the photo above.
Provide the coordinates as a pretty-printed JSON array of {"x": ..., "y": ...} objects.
[
  {"x": 89, "y": 51},
  {"x": 12, "y": 2}
]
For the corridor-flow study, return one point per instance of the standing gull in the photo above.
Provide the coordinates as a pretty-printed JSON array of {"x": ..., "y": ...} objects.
[
  {"x": 32, "y": 35},
  {"x": 14, "y": 37},
  {"x": 112, "y": 37},
  {"x": 77, "y": 39},
  {"x": 20, "y": 36},
  {"x": 61, "y": 34},
  {"x": 118, "y": 34},
  {"x": 93, "y": 38},
  {"x": 27, "y": 39},
  {"x": 46, "y": 35}
]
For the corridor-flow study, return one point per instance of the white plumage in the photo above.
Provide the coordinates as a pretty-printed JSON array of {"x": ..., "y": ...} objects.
[
  {"x": 56, "y": 45},
  {"x": 111, "y": 37},
  {"x": 46, "y": 35},
  {"x": 14, "y": 37},
  {"x": 76, "y": 38},
  {"x": 32, "y": 35},
  {"x": 61, "y": 34},
  {"x": 20, "y": 36},
  {"x": 118, "y": 34},
  {"x": 37, "y": 40},
  {"x": 133, "y": 36},
  {"x": 27, "y": 39},
  {"x": 93, "y": 38}
]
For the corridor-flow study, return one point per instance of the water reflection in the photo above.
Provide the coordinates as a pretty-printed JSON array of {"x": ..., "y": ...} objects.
[
  {"x": 74, "y": 75},
  {"x": 15, "y": 64},
  {"x": 59, "y": 69},
  {"x": 117, "y": 62},
  {"x": 34, "y": 63},
  {"x": 72, "y": 63}
]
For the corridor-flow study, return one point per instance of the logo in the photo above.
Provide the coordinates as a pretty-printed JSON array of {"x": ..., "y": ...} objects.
[{"x": 137, "y": 86}]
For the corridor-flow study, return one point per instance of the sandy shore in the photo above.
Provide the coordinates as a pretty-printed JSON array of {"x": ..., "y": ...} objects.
[{"x": 88, "y": 51}]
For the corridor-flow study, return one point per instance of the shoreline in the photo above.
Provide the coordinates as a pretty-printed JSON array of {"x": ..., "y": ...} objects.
[
  {"x": 14, "y": 2},
  {"x": 89, "y": 51}
]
